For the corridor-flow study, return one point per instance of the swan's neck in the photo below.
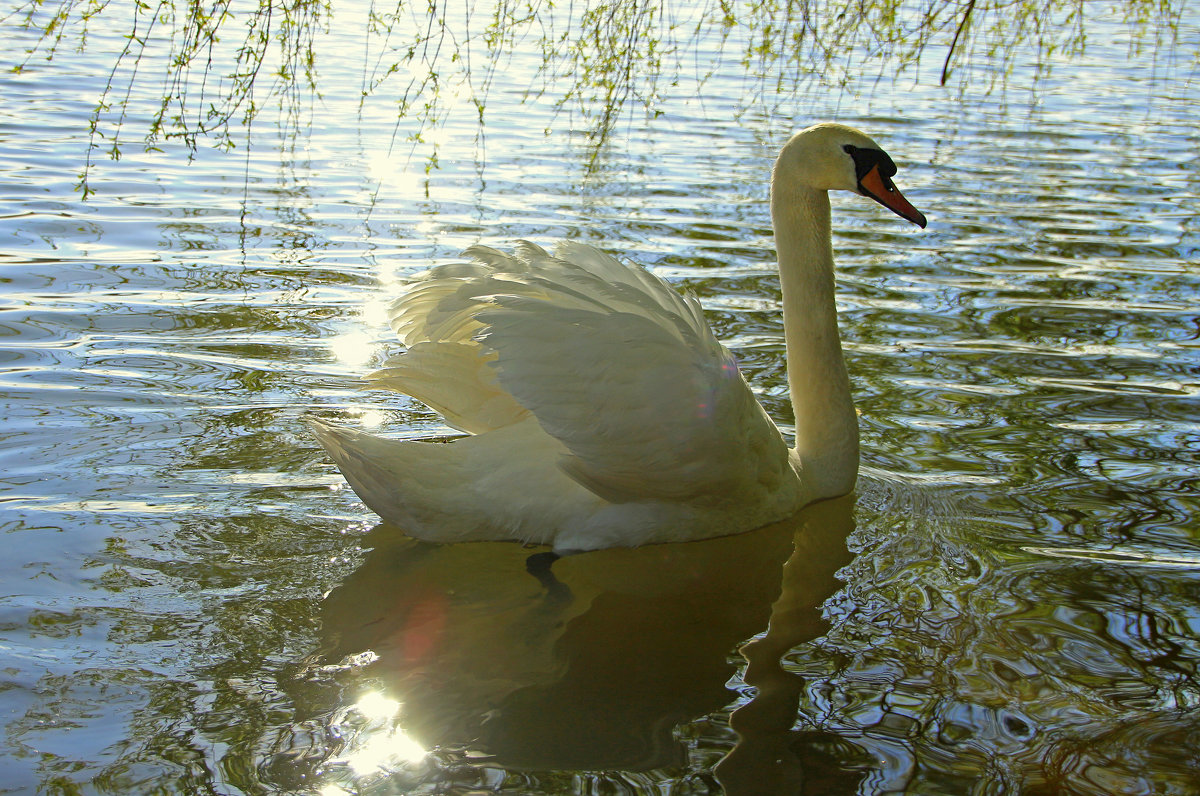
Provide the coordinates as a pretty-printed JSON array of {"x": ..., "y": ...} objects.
[{"x": 826, "y": 424}]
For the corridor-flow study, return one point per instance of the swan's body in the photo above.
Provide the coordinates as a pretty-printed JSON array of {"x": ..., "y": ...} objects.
[{"x": 600, "y": 409}]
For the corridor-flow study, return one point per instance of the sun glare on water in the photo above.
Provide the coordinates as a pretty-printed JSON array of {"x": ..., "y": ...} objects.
[{"x": 382, "y": 743}]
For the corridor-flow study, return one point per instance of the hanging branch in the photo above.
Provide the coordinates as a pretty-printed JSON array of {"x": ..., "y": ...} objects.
[
  {"x": 961, "y": 27},
  {"x": 600, "y": 58}
]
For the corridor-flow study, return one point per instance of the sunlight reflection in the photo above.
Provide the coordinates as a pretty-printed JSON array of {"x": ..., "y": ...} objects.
[
  {"x": 353, "y": 348},
  {"x": 428, "y": 227},
  {"x": 396, "y": 172},
  {"x": 383, "y": 743},
  {"x": 1118, "y": 556},
  {"x": 376, "y": 706},
  {"x": 385, "y": 749},
  {"x": 356, "y": 347},
  {"x": 370, "y": 418},
  {"x": 375, "y": 312}
]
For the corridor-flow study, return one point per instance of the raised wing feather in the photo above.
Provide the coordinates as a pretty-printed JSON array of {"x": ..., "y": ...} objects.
[
  {"x": 455, "y": 380},
  {"x": 610, "y": 360},
  {"x": 643, "y": 414}
]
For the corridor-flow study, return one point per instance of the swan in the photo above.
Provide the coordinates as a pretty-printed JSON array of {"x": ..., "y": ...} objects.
[{"x": 599, "y": 409}]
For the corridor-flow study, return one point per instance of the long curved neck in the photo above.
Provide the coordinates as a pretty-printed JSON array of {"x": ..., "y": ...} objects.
[{"x": 826, "y": 423}]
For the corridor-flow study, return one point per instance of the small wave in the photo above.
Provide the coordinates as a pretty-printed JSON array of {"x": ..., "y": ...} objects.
[{"x": 1116, "y": 556}]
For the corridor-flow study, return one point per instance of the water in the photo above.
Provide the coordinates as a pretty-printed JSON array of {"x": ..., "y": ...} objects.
[{"x": 194, "y": 603}]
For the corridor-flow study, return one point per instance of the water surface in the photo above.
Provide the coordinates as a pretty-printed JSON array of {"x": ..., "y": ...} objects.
[{"x": 193, "y": 602}]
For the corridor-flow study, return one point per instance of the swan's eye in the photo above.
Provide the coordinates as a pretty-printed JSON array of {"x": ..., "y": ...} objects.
[{"x": 849, "y": 149}]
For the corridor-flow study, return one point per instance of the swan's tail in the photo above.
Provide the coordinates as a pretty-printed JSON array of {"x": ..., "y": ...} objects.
[
  {"x": 478, "y": 487},
  {"x": 375, "y": 468}
]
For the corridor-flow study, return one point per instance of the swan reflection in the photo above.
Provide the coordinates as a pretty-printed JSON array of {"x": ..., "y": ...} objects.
[{"x": 463, "y": 650}]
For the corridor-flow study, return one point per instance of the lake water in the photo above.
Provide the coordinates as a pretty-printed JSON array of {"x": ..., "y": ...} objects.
[{"x": 193, "y": 601}]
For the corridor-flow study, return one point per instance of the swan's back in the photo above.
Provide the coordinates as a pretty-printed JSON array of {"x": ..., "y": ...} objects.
[{"x": 640, "y": 422}]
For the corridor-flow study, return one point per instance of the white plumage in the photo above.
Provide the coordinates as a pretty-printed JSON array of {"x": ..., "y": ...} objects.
[{"x": 599, "y": 407}]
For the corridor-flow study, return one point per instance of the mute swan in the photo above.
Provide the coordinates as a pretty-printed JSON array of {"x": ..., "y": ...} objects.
[{"x": 600, "y": 410}]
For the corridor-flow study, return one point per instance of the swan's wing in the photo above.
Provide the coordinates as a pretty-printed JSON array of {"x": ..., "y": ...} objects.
[
  {"x": 643, "y": 413},
  {"x": 443, "y": 306},
  {"x": 438, "y": 318},
  {"x": 453, "y": 379},
  {"x": 614, "y": 363},
  {"x": 626, "y": 373}
]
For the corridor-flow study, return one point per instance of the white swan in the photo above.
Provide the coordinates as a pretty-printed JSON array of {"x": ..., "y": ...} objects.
[{"x": 600, "y": 409}]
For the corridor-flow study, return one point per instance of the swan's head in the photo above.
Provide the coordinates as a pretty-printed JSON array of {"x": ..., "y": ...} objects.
[{"x": 834, "y": 157}]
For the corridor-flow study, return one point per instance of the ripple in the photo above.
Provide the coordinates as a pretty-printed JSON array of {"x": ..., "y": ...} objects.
[
  {"x": 1021, "y": 611},
  {"x": 1137, "y": 558}
]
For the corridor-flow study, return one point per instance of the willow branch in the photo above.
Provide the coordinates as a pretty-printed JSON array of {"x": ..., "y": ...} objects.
[{"x": 961, "y": 27}]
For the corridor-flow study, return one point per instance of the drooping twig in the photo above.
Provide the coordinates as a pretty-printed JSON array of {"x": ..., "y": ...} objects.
[{"x": 961, "y": 27}]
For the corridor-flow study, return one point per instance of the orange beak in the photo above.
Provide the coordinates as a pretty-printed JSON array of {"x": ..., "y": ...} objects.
[{"x": 882, "y": 190}]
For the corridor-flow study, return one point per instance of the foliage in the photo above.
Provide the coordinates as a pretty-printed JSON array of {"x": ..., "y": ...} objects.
[{"x": 221, "y": 63}]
